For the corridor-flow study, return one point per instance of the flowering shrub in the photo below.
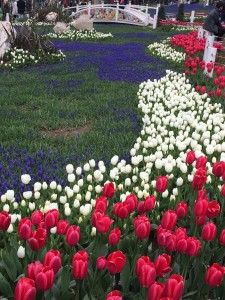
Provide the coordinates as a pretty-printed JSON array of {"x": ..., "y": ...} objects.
[
  {"x": 156, "y": 228},
  {"x": 74, "y": 35}
]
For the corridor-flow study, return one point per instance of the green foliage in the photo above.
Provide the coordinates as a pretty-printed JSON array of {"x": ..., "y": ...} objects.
[
  {"x": 161, "y": 15},
  {"x": 40, "y": 13},
  {"x": 27, "y": 39},
  {"x": 180, "y": 13}
]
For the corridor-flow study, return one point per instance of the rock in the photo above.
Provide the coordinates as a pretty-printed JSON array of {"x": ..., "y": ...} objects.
[
  {"x": 7, "y": 36},
  {"x": 61, "y": 27},
  {"x": 82, "y": 23},
  {"x": 51, "y": 17}
]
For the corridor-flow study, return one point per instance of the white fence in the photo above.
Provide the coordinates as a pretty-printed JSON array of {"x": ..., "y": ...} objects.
[{"x": 116, "y": 13}]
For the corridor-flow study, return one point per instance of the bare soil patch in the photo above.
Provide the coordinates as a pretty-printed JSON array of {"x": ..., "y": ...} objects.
[{"x": 66, "y": 132}]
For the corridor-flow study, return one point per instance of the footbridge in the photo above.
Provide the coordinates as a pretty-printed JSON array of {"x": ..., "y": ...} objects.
[{"x": 116, "y": 13}]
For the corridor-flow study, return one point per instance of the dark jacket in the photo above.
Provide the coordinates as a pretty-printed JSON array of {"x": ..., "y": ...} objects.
[
  {"x": 21, "y": 7},
  {"x": 212, "y": 21}
]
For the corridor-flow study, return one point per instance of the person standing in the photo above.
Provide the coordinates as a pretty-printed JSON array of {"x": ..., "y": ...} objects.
[
  {"x": 212, "y": 21},
  {"x": 14, "y": 10},
  {"x": 5, "y": 9},
  {"x": 21, "y": 8}
]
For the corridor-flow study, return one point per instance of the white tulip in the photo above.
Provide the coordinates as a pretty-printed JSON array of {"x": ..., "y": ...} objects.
[
  {"x": 25, "y": 178},
  {"x": 67, "y": 211},
  {"x": 21, "y": 252},
  {"x": 44, "y": 186},
  {"x": 27, "y": 195},
  {"x": 3, "y": 198},
  {"x": 10, "y": 195},
  {"x": 69, "y": 168},
  {"x": 78, "y": 170},
  {"x": 53, "y": 185},
  {"x": 71, "y": 177},
  {"x": 53, "y": 230}
]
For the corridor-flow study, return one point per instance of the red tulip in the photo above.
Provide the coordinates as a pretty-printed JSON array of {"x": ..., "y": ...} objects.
[
  {"x": 218, "y": 169},
  {"x": 147, "y": 275},
  {"x": 200, "y": 220},
  {"x": 114, "y": 236},
  {"x": 101, "y": 263},
  {"x": 33, "y": 269},
  {"x": 25, "y": 289},
  {"x": 202, "y": 195},
  {"x": 80, "y": 265},
  {"x": 103, "y": 223},
  {"x": 101, "y": 204},
  {"x": 218, "y": 92},
  {"x": 169, "y": 219},
  {"x": 141, "y": 207},
  {"x": 193, "y": 246},
  {"x": 62, "y": 227},
  {"x": 174, "y": 287},
  {"x": 114, "y": 295},
  {"x": 142, "y": 227},
  {"x": 115, "y": 262},
  {"x": 24, "y": 229},
  {"x": 200, "y": 208},
  {"x": 109, "y": 190},
  {"x": 199, "y": 179},
  {"x": 181, "y": 209},
  {"x": 163, "y": 236},
  {"x": 171, "y": 242},
  {"x": 132, "y": 201},
  {"x": 51, "y": 218},
  {"x": 73, "y": 235},
  {"x": 214, "y": 275},
  {"x": 53, "y": 260},
  {"x": 162, "y": 265},
  {"x": 45, "y": 279},
  {"x": 38, "y": 239},
  {"x": 213, "y": 209},
  {"x": 181, "y": 244},
  {"x": 223, "y": 190},
  {"x": 5, "y": 220},
  {"x": 201, "y": 162},
  {"x": 150, "y": 203},
  {"x": 36, "y": 217},
  {"x": 222, "y": 237},
  {"x": 155, "y": 291},
  {"x": 143, "y": 260},
  {"x": 209, "y": 231},
  {"x": 161, "y": 184},
  {"x": 121, "y": 209},
  {"x": 190, "y": 158}
]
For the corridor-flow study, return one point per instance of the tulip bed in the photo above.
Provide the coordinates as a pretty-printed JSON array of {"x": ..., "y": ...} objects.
[
  {"x": 154, "y": 230},
  {"x": 151, "y": 227}
]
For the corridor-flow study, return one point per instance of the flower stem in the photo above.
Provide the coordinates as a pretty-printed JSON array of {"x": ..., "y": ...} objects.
[{"x": 77, "y": 292}]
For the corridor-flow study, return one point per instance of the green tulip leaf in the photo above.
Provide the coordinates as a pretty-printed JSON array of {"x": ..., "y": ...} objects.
[
  {"x": 65, "y": 279},
  {"x": 5, "y": 287},
  {"x": 9, "y": 266}
]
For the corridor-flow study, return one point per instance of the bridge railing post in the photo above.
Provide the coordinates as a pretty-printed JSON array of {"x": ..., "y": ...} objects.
[
  {"x": 77, "y": 7},
  {"x": 102, "y": 3},
  {"x": 129, "y": 5},
  {"x": 192, "y": 16},
  {"x": 117, "y": 11},
  {"x": 89, "y": 8}
]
